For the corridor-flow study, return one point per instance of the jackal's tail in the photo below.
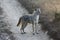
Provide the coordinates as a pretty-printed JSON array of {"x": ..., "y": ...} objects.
[{"x": 19, "y": 22}]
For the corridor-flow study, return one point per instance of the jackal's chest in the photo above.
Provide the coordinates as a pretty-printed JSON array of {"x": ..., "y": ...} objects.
[{"x": 37, "y": 19}]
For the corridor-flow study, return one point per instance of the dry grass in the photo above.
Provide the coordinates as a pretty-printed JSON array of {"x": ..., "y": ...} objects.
[{"x": 49, "y": 9}]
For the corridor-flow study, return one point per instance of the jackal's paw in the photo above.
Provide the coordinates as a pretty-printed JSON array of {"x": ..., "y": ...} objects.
[
  {"x": 33, "y": 33},
  {"x": 23, "y": 33},
  {"x": 37, "y": 33}
]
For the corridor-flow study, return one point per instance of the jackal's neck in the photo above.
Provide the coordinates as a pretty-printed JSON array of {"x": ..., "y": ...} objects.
[{"x": 36, "y": 17}]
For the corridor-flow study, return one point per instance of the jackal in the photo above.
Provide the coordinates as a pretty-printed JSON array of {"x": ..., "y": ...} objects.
[{"x": 24, "y": 20}]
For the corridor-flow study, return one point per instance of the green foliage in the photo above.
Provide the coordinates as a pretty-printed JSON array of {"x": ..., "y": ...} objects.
[{"x": 57, "y": 16}]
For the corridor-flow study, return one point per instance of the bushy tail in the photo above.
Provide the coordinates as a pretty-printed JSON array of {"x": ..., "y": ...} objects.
[{"x": 19, "y": 22}]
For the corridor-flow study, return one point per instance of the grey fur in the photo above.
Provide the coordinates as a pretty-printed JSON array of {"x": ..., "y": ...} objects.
[{"x": 24, "y": 20}]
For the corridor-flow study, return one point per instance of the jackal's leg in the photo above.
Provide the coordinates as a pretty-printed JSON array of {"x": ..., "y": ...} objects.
[
  {"x": 23, "y": 27},
  {"x": 36, "y": 31},
  {"x": 22, "y": 30},
  {"x": 33, "y": 29}
]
